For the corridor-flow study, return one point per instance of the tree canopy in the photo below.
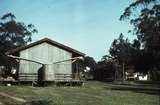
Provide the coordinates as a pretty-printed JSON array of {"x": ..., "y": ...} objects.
[
  {"x": 125, "y": 51},
  {"x": 91, "y": 63},
  {"x": 14, "y": 34},
  {"x": 142, "y": 53},
  {"x": 146, "y": 27}
]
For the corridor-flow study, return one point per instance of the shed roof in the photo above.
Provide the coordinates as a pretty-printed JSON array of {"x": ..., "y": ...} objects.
[{"x": 47, "y": 40}]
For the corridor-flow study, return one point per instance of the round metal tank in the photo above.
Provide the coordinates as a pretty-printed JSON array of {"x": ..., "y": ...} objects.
[{"x": 49, "y": 72}]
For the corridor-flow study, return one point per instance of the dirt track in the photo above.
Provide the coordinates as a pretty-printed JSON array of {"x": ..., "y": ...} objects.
[{"x": 12, "y": 97}]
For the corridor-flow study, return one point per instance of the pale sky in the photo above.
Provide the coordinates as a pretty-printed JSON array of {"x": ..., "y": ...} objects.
[{"x": 89, "y": 26}]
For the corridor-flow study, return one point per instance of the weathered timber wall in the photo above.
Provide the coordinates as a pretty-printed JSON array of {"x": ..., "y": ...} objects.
[{"x": 47, "y": 54}]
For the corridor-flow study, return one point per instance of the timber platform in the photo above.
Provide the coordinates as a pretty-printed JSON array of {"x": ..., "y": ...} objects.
[{"x": 58, "y": 82}]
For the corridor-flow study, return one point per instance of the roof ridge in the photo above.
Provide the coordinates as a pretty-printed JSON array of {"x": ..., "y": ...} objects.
[{"x": 48, "y": 40}]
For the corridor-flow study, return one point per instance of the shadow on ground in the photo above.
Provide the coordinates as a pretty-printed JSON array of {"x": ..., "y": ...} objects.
[
  {"x": 39, "y": 102},
  {"x": 136, "y": 89}
]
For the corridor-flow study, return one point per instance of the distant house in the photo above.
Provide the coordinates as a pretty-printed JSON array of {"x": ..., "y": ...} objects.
[
  {"x": 132, "y": 75},
  {"x": 55, "y": 58}
]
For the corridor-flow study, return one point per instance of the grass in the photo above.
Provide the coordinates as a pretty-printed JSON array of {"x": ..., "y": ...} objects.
[{"x": 92, "y": 93}]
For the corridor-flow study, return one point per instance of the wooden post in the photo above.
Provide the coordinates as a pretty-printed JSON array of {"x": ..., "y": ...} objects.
[
  {"x": 115, "y": 76},
  {"x": 77, "y": 74},
  {"x": 123, "y": 65}
]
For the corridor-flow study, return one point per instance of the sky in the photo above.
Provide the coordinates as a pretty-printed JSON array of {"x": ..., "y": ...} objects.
[{"x": 89, "y": 26}]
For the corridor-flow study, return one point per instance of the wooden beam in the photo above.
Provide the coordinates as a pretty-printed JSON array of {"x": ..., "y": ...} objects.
[
  {"x": 75, "y": 58},
  {"x": 15, "y": 57}
]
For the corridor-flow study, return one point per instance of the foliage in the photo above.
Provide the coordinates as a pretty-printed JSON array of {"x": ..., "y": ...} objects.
[
  {"x": 90, "y": 62},
  {"x": 134, "y": 8},
  {"x": 13, "y": 34},
  {"x": 124, "y": 51},
  {"x": 144, "y": 15}
]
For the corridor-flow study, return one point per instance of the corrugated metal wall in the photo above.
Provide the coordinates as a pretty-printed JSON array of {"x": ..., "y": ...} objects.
[{"x": 47, "y": 54}]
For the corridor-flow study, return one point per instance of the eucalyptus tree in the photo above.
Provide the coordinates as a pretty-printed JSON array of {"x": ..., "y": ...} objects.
[
  {"x": 13, "y": 34},
  {"x": 144, "y": 15}
]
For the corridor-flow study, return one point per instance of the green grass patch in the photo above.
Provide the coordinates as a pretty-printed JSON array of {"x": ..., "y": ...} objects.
[{"x": 92, "y": 93}]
